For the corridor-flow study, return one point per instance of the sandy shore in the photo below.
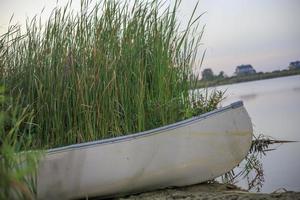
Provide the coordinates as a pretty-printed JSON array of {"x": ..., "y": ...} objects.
[{"x": 212, "y": 191}]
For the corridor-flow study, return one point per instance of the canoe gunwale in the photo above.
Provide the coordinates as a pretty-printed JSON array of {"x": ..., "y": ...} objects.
[{"x": 148, "y": 132}]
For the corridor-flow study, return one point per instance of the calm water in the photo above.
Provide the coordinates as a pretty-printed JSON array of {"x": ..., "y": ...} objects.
[{"x": 274, "y": 107}]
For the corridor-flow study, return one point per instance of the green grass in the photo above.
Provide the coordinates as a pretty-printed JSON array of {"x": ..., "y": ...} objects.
[{"x": 108, "y": 70}]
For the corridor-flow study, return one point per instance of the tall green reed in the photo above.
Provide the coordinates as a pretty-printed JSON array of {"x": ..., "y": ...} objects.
[{"x": 108, "y": 70}]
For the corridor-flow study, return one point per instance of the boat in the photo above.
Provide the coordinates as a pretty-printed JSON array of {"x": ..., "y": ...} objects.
[{"x": 184, "y": 153}]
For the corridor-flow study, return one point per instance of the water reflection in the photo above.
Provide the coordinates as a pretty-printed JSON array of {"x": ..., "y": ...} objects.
[
  {"x": 296, "y": 89},
  {"x": 251, "y": 171},
  {"x": 275, "y": 112},
  {"x": 248, "y": 97}
]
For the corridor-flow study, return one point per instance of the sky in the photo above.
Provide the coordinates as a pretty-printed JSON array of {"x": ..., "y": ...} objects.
[{"x": 263, "y": 33}]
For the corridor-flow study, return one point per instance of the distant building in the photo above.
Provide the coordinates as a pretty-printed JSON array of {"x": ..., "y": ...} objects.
[
  {"x": 244, "y": 70},
  {"x": 294, "y": 65}
]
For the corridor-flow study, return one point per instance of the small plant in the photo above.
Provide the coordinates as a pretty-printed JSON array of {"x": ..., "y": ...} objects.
[
  {"x": 17, "y": 173},
  {"x": 17, "y": 168},
  {"x": 251, "y": 168}
]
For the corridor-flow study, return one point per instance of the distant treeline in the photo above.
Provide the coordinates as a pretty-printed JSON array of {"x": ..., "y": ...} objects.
[{"x": 244, "y": 78}]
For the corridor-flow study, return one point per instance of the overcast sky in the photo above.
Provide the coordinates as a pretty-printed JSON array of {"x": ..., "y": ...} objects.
[{"x": 264, "y": 33}]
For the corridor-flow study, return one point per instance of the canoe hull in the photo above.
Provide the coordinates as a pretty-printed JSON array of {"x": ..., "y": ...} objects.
[{"x": 184, "y": 153}]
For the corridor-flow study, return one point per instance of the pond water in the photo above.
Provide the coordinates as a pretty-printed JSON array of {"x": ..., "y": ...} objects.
[{"x": 274, "y": 108}]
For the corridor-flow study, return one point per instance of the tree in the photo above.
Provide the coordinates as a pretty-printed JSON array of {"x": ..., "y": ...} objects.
[
  {"x": 221, "y": 75},
  {"x": 207, "y": 74}
]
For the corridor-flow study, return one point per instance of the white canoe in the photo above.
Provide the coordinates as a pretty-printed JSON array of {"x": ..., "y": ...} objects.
[{"x": 188, "y": 152}]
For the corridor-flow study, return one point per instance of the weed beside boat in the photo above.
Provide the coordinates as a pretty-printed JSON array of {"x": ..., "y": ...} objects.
[
  {"x": 111, "y": 69},
  {"x": 17, "y": 169}
]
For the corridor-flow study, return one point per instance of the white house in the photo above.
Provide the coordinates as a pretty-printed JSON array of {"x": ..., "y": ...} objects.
[
  {"x": 294, "y": 65},
  {"x": 244, "y": 69}
]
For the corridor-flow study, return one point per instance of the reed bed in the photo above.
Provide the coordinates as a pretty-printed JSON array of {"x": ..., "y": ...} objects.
[{"x": 108, "y": 70}]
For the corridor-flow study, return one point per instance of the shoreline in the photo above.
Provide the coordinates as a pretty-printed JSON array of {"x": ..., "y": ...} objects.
[
  {"x": 247, "y": 78},
  {"x": 214, "y": 190}
]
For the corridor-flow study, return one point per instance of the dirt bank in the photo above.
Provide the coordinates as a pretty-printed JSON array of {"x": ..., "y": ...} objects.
[{"x": 210, "y": 191}]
